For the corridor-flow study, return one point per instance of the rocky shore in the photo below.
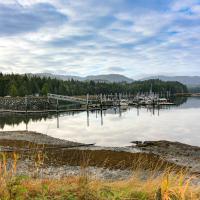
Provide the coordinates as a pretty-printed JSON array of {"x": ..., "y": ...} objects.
[{"x": 176, "y": 152}]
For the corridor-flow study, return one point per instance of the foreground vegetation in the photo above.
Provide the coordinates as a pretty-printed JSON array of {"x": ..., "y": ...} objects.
[
  {"x": 151, "y": 177},
  {"x": 156, "y": 183},
  {"x": 21, "y": 85},
  {"x": 166, "y": 186}
]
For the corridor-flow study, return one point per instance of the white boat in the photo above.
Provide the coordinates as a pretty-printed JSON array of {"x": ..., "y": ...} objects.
[
  {"x": 123, "y": 103},
  {"x": 132, "y": 103},
  {"x": 163, "y": 101}
]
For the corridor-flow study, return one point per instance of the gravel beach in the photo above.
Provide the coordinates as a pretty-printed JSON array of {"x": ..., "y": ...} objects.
[{"x": 113, "y": 163}]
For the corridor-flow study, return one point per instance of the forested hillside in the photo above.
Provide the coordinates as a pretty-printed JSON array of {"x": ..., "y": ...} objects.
[{"x": 21, "y": 85}]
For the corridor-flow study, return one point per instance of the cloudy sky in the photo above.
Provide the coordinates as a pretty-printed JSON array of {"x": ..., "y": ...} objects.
[{"x": 83, "y": 37}]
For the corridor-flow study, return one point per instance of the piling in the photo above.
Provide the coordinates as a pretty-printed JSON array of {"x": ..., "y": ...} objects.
[
  {"x": 87, "y": 101},
  {"x": 57, "y": 105},
  {"x": 26, "y": 103},
  {"x": 101, "y": 101}
]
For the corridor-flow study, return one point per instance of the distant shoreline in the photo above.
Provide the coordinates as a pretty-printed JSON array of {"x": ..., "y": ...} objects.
[{"x": 188, "y": 94}]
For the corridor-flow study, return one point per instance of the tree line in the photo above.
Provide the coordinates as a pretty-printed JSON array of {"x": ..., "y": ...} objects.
[{"x": 21, "y": 85}]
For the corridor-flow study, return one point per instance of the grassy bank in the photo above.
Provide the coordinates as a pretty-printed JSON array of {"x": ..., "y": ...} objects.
[
  {"x": 151, "y": 177},
  {"x": 146, "y": 183},
  {"x": 163, "y": 187}
]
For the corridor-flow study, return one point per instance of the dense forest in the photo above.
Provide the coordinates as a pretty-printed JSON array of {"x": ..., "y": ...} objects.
[{"x": 21, "y": 85}]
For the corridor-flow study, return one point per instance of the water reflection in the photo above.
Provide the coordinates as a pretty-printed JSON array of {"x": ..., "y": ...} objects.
[
  {"x": 116, "y": 127},
  {"x": 16, "y": 119}
]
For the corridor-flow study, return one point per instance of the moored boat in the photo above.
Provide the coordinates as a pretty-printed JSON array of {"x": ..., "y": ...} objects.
[{"x": 124, "y": 103}]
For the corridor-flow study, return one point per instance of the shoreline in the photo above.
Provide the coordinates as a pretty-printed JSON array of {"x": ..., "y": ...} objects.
[{"x": 66, "y": 158}]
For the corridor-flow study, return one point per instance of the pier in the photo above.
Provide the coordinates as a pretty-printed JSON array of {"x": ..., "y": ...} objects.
[
  {"x": 56, "y": 102},
  {"x": 113, "y": 100}
]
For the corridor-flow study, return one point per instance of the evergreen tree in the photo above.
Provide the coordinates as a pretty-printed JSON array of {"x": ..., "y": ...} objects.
[
  {"x": 45, "y": 89},
  {"x": 21, "y": 85},
  {"x": 13, "y": 90}
]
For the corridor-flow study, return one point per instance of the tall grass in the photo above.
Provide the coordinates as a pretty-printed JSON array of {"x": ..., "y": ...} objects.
[{"x": 167, "y": 184}]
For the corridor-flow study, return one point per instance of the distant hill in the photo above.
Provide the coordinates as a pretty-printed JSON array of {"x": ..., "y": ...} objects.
[
  {"x": 99, "y": 78},
  {"x": 61, "y": 77},
  {"x": 190, "y": 81},
  {"x": 110, "y": 78}
]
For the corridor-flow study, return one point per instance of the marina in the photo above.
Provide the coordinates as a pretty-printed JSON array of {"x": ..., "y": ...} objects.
[
  {"x": 62, "y": 103},
  {"x": 178, "y": 122},
  {"x": 114, "y": 100}
]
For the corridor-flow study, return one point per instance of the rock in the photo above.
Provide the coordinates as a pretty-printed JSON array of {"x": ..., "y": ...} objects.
[{"x": 136, "y": 142}]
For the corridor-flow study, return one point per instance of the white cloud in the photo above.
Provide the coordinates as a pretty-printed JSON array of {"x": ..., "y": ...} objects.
[{"x": 97, "y": 38}]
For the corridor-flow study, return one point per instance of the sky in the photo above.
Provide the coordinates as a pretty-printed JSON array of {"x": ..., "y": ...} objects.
[{"x": 136, "y": 38}]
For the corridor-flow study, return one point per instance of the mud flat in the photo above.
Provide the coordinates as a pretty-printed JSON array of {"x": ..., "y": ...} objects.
[
  {"x": 48, "y": 157},
  {"x": 32, "y": 137},
  {"x": 175, "y": 152}
]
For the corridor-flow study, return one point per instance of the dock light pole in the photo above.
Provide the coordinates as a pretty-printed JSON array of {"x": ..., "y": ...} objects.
[
  {"x": 120, "y": 98},
  {"x": 104, "y": 96},
  {"x": 101, "y": 100},
  {"x": 48, "y": 103},
  {"x": 26, "y": 103},
  {"x": 87, "y": 101},
  {"x": 96, "y": 100},
  {"x": 57, "y": 105}
]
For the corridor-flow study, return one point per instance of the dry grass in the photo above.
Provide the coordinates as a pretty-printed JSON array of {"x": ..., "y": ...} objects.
[{"x": 165, "y": 185}]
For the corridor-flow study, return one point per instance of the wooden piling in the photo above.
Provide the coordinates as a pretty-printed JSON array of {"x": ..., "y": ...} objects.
[
  {"x": 87, "y": 101},
  {"x": 26, "y": 103},
  {"x": 57, "y": 105},
  {"x": 101, "y": 100}
]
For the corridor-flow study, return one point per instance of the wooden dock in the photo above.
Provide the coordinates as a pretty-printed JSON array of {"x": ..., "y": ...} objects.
[{"x": 37, "y": 105}]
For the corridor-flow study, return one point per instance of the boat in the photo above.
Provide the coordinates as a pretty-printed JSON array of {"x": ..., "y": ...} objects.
[
  {"x": 123, "y": 103},
  {"x": 164, "y": 101},
  {"x": 132, "y": 103}
]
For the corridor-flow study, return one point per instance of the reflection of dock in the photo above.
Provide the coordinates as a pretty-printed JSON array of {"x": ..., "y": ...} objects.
[
  {"x": 99, "y": 114},
  {"x": 50, "y": 111}
]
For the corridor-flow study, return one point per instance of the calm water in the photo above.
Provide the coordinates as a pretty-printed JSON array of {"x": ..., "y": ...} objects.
[{"x": 115, "y": 127}]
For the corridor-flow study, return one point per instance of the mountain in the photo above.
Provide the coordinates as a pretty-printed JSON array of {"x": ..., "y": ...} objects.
[
  {"x": 110, "y": 78},
  {"x": 99, "y": 78},
  {"x": 61, "y": 77},
  {"x": 190, "y": 81}
]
